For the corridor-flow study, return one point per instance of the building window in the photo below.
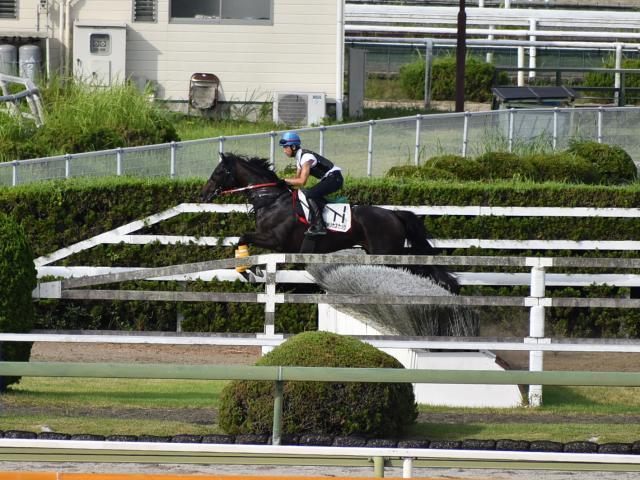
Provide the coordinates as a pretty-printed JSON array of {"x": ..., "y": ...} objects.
[
  {"x": 221, "y": 11},
  {"x": 145, "y": 10},
  {"x": 8, "y": 8}
]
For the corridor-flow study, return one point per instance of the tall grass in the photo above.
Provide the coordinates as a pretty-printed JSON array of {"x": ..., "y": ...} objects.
[{"x": 81, "y": 117}]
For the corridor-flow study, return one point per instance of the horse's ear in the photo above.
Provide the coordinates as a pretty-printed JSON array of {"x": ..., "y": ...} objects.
[{"x": 222, "y": 157}]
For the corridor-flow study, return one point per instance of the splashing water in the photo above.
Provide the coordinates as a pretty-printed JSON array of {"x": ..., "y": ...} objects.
[{"x": 411, "y": 320}]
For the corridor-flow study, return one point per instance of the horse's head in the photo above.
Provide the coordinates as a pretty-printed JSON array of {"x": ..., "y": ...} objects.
[{"x": 222, "y": 178}]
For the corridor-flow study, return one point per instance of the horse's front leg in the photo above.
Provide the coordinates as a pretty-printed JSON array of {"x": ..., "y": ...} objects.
[
  {"x": 261, "y": 240},
  {"x": 258, "y": 239}
]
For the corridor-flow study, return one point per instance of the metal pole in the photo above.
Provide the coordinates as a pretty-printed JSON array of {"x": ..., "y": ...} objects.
[
  {"x": 416, "y": 157},
  {"x": 428, "y": 63},
  {"x": 119, "y": 161},
  {"x": 532, "y": 49},
  {"x": 272, "y": 149},
  {"x": 555, "y": 128},
  {"x": 322, "y": 130},
  {"x": 600, "y": 118},
  {"x": 67, "y": 165},
  {"x": 521, "y": 66},
  {"x": 511, "y": 122},
  {"x": 173, "y": 159},
  {"x": 465, "y": 134},
  {"x": 277, "y": 410},
  {"x": 617, "y": 74},
  {"x": 461, "y": 54},
  {"x": 14, "y": 174},
  {"x": 370, "y": 148}
]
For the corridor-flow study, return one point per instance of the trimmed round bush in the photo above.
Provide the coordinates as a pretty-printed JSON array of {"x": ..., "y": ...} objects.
[
  {"x": 564, "y": 167},
  {"x": 365, "y": 409},
  {"x": 463, "y": 168},
  {"x": 496, "y": 165},
  {"x": 432, "y": 173},
  {"x": 403, "y": 171},
  {"x": 17, "y": 281},
  {"x": 611, "y": 163}
]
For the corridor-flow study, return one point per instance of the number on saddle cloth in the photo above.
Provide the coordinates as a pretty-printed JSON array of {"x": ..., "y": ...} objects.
[{"x": 337, "y": 216}]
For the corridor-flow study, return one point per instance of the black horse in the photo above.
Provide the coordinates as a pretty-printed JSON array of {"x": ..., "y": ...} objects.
[{"x": 377, "y": 230}]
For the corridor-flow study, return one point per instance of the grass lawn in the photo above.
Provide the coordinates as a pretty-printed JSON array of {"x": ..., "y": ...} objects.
[{"x": 166, "y": 407}]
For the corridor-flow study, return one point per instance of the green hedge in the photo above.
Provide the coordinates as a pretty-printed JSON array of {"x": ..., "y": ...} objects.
[
  {"x": 57, "y": 214},
  {"x": 583, "y": 162},
  {"x": 17, "y": 281}
]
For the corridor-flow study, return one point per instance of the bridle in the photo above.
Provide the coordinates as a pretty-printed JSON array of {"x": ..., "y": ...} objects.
[
  {"x": 227, "y": 174},
  {"x": 248, "y": 187}
]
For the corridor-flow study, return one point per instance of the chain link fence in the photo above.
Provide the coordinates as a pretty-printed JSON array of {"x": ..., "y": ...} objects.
[{"x": 365, "y": 149}]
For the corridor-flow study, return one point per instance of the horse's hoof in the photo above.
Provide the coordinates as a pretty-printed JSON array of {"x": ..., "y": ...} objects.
[{"x": 257, "y": 271}]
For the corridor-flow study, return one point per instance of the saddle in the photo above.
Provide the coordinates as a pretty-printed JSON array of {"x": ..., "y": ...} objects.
[{"x": 336, "y": 216}]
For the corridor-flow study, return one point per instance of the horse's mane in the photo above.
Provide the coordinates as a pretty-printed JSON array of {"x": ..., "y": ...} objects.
[{"x": 256, "y": 164}]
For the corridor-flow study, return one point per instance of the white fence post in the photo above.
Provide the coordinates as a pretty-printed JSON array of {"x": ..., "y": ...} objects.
[
  {"x": 536, "y": 323},
  {"x": 14, "y": 173}
]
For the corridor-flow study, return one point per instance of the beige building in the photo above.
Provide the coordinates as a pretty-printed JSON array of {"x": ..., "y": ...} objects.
[{"x": 256, "y": 48}]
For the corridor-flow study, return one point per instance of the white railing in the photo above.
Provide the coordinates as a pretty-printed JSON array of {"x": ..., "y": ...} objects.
[{"x": 361, "y": 149}]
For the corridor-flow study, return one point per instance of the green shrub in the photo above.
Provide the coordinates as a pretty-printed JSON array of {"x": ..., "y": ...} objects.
[
  {"x": 462, "y": 168},
  {"x": 367, "y": 409},
  {"x": 478, "y": 79},
  {"x": 17, "y": 281},
  {"x": 425, "y": 172},
  {"x": 612, "y": 164},
  {"x": 505, "y": 165},
  {"x": 404, "y": 171},
  {"x": 432, "y": 173},
  {"x": 564, "y": 167}
]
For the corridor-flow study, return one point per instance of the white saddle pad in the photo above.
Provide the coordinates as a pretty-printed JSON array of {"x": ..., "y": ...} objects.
[{"x": 337, "y": 216}]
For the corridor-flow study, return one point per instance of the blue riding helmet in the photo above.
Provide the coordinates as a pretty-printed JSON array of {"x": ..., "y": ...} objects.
[{"x": 290, "y": 138}]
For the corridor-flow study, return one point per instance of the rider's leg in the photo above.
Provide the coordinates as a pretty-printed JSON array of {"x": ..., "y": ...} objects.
[
  {"x": 316, "y": 222},
  {"x": 327, "y": 185}
]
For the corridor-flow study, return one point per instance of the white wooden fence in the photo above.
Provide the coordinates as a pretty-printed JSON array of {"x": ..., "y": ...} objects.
[{"x": 537, "y": 277}]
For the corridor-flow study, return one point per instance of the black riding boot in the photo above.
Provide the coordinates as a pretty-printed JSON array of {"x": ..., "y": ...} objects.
[{"x": 317, "y": 226}]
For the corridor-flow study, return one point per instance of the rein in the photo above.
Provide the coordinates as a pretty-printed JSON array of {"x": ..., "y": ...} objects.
[{"x": 248, "y": 187}]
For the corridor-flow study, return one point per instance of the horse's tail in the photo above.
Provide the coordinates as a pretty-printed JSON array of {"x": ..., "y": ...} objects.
[{"x": 417, "y": 235}]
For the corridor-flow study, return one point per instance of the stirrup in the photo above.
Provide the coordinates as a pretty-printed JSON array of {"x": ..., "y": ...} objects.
[{"x": 315, "y": 230}]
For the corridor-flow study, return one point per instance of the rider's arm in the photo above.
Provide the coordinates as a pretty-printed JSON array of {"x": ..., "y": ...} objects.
[{"x": 302, "y": 176}]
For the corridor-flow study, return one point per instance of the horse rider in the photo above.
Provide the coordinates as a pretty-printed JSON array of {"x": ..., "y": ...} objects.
[{"x": 311, "y": 163}]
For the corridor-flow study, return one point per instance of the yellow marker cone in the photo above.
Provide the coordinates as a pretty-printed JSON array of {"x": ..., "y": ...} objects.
[{"x": 241, "y": 252}]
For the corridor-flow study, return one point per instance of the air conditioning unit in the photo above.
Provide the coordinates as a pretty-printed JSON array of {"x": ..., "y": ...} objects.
[{"x": 298, "y": 108}]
